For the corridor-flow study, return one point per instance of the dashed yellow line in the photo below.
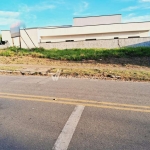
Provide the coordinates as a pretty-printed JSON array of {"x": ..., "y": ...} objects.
[{"x": 68, "y": 101}]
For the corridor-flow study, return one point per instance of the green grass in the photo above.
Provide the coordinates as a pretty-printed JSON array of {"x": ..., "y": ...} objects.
[{"x": 79, "y": 54}]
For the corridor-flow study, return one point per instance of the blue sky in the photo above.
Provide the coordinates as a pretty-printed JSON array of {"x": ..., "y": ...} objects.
[{"x": 36, "y": 13}]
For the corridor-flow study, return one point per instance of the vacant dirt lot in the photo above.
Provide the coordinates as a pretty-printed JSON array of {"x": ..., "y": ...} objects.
[{"x": 137, "y": 69}]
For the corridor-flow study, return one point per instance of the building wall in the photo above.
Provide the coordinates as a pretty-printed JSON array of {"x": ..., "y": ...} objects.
[
  {"x": 25, "y": 40},
  {"x": 111, "y": 43},
  {"x": 33, "y": 33},
  {"x": 93, "y": 36},
  {"x": 61, "y": 34},
  {"x": 3, "y": 46},
  {"x": 95, "y": 20},
  {"x": 103, "y": 29},
  {"x": 6, "y": 36}
]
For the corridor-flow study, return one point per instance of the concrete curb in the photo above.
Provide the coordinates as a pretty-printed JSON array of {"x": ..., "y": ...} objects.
[{"x": 41, "y": 73}]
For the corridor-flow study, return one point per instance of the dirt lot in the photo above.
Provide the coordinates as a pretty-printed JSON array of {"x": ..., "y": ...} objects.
[{"x": 137, "y": 69}]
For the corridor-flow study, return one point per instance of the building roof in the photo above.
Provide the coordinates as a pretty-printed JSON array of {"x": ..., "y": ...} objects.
[
  {"x": 98, "y": 16},
  {"x": 55, "y": 27}
]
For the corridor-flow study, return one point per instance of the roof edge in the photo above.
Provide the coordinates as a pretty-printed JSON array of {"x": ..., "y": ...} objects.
[
  {"x": 98, "y": 16},
  {"x": 95, "y": 25},
  {"x": 81, "y": 26}
]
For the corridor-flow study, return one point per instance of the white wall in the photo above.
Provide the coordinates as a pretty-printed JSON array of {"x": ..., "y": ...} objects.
[
  {"x": 78, "y": 33},
  {"x": 98, "y": 32},
  {"x": 113, "y": 28},
  {"x": 95, "y": 20},
  {"x": 93, "y": 36},
  {"x": 33, "y": 33},
  {"x": 3, "y": 46},
  {"x": 6, "y": 36}
]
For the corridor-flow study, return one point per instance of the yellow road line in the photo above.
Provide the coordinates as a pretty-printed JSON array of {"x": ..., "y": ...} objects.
[
  {"x": 75, "y": 103},
  {"x": 75, "y": 100},
  {"x": 107, "y": 103}
]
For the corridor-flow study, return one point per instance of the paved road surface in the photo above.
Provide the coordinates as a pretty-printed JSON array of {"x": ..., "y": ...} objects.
[{"x": 37, "y": 113}]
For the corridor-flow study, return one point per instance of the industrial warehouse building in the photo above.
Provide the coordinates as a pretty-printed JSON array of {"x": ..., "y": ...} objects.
[{"x": 87, "y": 29}]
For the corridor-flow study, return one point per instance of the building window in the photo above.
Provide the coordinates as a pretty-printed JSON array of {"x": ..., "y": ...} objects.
[
  {"x": 116, "y": 37},
  {"x": 48, "y": 42},
  {"x": 90, "y": 40},
  {"x": 134, "y": 37},
  {"x": 69, "y": 40}
]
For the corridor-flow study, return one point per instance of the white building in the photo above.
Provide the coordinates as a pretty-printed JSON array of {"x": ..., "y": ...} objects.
[{"x": 83, "y": 29}]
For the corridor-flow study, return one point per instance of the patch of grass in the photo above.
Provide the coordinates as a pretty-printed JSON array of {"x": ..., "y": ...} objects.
[
  {"x": 79, "y": 54},
  {"x": 37, "y": 55},
  {"x": 7, "y": 53},
  {"x": 9, "y": 68}
]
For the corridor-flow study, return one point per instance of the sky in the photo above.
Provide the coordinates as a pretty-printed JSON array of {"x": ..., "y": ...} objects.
[{"x": 39, "y": 13}]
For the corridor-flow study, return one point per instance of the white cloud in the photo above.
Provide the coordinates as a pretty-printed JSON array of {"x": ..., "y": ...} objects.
[
  {"x": 8, "y": 17},
  {"x": 38, "y": 7},
  {"x": 7, "y": 21},
  {"x": 81, "y": 8},
  {"x": 144, "y": 0},
  {"x": 141, "y": 5},
  {"x": 9, "y": 14},
  {"x": 27, "y": 13},
  {"x": 131, "y": 8}
]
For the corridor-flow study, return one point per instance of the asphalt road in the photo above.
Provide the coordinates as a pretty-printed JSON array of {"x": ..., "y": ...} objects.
[{"x": 37, "y": 113}]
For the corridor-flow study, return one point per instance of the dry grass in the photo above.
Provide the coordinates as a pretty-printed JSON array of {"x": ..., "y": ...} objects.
[
  {"x": 10, "y": 68},
  {"x": 127, "y": 75}
]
